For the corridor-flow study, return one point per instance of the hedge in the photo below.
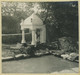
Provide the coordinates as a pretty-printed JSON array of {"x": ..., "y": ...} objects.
[{"x": 13, "y": 39}]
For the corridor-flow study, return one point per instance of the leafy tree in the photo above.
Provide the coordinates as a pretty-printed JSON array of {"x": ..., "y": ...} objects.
[{"x": 60, "y": 18}]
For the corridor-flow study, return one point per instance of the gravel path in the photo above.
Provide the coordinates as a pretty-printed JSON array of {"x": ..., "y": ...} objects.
[{"x": 44, "y": 64}]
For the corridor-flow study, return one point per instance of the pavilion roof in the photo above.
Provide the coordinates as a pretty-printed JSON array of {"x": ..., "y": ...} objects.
[{"x": 33, "y": 20}]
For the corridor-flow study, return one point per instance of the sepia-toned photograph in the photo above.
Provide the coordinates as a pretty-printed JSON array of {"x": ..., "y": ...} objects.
[{"x": 40, "y": 37}]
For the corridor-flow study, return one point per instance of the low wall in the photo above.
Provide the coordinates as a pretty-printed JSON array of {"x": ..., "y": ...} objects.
[{"x": 13, "y": 38}]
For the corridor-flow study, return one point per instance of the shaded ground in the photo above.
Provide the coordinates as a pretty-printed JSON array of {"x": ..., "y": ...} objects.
[{"x": 44, "y": 64}]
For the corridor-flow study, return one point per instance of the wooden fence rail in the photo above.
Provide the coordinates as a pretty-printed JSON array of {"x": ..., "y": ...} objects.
[{"x": 13, "y": 34}]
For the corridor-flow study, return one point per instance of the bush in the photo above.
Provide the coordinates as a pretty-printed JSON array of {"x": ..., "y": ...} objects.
[
  {"x": 30, "y": 50},
  {"x": 67, "y": 44}
]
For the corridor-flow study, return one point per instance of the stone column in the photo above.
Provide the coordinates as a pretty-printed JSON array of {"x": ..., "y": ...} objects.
[
  {"x": 43, "y": 35},
  {"x": 33, "y": 37},
  {"x": 23, "y": 37}
]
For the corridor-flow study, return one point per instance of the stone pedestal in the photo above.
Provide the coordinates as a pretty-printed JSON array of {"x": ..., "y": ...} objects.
[{"x": 41, "y": 36}]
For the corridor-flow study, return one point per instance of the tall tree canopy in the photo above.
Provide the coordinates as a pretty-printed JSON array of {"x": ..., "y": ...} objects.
[{"x": 60, "y": 18}]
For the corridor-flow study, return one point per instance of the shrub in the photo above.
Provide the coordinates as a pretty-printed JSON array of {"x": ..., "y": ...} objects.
[
  {"x": 67, "y": 44},
  {"x": 30, "y": 50}
]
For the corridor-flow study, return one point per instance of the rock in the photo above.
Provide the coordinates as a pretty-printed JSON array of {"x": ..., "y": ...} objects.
[
  {"x": 73, "y": 56},
  {"x": 38, "y": 54},
  {"x": 77, "y": 61},
  {"x": 65, "y": 56},
  {"x": 18, "y": 45},
  {"x": 5, "y": 58},
  {"x": 56, "y": 54},
  {"x": 19, "y": 55}
]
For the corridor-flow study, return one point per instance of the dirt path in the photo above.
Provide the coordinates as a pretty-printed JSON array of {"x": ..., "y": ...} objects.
[{"x": 44, "y": 64}]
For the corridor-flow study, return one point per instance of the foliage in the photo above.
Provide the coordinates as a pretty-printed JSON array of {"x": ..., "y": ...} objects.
[
  {"x": 60, "y": 18},
  {"x": 67, "y": 44},
  {"x": 30, "y": 50},
  {"x": 9, "y": 24}
]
